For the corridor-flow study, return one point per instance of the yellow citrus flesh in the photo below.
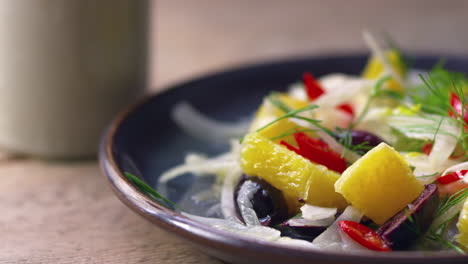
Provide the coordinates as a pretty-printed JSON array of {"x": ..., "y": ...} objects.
[
  {"x": 282, "y": 127},
  {"x": 462, "y": 225},
  {"x": 294, "y": 175},
  {"x": 322, "y": 191},
  {"x": 268, "y": 112},
  {"x": 374, "y": 69},
  {"x": 379, "y": 184}
]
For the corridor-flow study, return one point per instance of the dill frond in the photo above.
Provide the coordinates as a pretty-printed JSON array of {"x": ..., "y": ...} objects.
[{"x": 149, "y": 191}]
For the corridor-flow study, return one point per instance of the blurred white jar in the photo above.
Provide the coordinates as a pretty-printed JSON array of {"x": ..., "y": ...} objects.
[{"x": 66, "y": 68}]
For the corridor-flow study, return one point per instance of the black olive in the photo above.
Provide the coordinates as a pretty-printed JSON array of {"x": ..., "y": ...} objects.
[
  {"x": 308, "y": 233},
  {"x": 304, "y": 232},
  {"x": 364, "y": 138},
  {"x": 408, "y": 224},
  {"x": 267, "y": 201}
]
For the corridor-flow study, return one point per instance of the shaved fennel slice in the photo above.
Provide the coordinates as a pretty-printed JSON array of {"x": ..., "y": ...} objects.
[
  {"x": 424, "y": 126},
  {"x": 298, "y": 222},
  {"x": 313, "y": 216},
  {"x": 256, "y": 232},
  {"x": 330, "y": 239},
  {"x": 332, "y": 118},
  {"x": 244, "y": 198},
  {"x": 297, "y": 91},
  {"x": 227, "y": 193},
  {"x": 201, "y": 166},
  {"x": 445, "y": 131},
  {"x": 287, "y": 241},
  {"x": 341, "y": 89},
  {"x": 378, "y": 52},
  {"x": 423, "y": 169},
  {"x": 459, "y": 166},
  {"x": 444, "y": 144},
  {"x": 311, "y": 212},
  {"x": 199, "y": 126}
]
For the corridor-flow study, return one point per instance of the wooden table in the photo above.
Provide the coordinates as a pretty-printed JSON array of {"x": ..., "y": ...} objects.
[{"x": 56, "y": 212}]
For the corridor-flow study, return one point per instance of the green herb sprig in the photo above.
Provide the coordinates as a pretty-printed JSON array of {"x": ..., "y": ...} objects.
[
  {"x": 150, "y": 192},
  {"x": 273, "y": 99},
  {"x": 437, "y": 234},
  {"x": 440, "y": 84},
  {"x": 346, "y": 139},
  {"x": 450, "y": 201}
]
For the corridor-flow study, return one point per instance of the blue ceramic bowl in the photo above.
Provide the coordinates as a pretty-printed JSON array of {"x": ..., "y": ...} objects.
[{"x": 145, "y": 141}]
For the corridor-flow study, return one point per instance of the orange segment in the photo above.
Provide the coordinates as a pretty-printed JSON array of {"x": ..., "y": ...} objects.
[
  {"x": 294, "y": 175},
  {"x": 462, "y": 226},
  {"x": 268, "y": 112},
  {"x": 379, "y": 184},
  {"x": 374, "y": 69}
]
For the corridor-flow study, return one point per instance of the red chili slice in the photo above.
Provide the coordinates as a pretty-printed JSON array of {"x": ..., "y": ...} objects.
[
  {"x": 347, "y": 108},
  {"x": 457, "y": 105},
  {"x": 363, "y": 235},
  {"x": 452, "y": 177},
  {"x": 312, "y": 86},
  {"x": 317, "y": 151},
  {"x": 426, "y": 148},
  {"x": 314, "y": 90}
]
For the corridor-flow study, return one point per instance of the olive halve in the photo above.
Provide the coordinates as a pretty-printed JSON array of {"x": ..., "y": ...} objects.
[
  {"x": 308, "y": 233},
  {"x": 267, "y": 201},
  {"x": 304, "y": 231},
  {"x": 361, "y": 137},
  {"x": 408, "y": 224}
]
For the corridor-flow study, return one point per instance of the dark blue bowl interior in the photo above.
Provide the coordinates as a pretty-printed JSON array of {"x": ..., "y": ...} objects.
[{"x": 148, "y": 142}]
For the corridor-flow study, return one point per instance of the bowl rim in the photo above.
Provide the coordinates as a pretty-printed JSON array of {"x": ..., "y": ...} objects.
[{"x": 208, "y": 237}]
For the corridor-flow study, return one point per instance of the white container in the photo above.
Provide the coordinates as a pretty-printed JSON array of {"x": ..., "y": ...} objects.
[{"x": 66, "y": 68}]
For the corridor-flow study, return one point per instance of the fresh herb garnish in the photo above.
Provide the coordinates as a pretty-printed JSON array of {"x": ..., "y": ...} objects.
[
  {"x": 292, "y": 131},
  {"x": 436, "y": 234},
  {"x": 294, "y": 114},
  {"x": 376, "y": 92},
  {"x": 450, "y": 201},
  {"x": 273, "y": 99},
  {"x": 405, "y": 143},
  {"x": 149, "y": 191},
  {"x": 346, "y": 138},
  {"x": 441, "y": 84}
]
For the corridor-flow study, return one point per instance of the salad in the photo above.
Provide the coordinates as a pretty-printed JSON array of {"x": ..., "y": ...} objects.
[{"x": 375, "y": 162}]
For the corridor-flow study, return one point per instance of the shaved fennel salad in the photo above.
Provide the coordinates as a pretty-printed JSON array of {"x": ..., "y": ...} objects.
[{"x": 375, "y": 162}]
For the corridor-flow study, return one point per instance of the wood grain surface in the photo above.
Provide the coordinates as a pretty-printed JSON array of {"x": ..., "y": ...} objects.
[{"x": 58, "y": 212}]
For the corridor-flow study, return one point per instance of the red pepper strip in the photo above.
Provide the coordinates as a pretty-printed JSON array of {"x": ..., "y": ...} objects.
[
  {"x": 363, "y": 235},
  {"x": 289, "y": 146},
  {"x": 317, "y": 151},
  {"x": 452, "y": 177},
  {"x": 457, "y": 105},
  {"x": 426, "y": 148},
  {"x": 314, "y": 90},
  {"x": 312, "y": 86},
  {"x": 303, "y": 141},
  {"x": 347, "y": 108}
]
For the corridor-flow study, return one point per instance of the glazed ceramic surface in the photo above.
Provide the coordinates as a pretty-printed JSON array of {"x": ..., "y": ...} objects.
[{"x": 145, "y": 141}]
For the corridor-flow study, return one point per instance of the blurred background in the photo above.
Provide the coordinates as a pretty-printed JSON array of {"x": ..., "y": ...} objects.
[
  {"x": 194, "y": 37},
  {"x": 59, "y": 212}
]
